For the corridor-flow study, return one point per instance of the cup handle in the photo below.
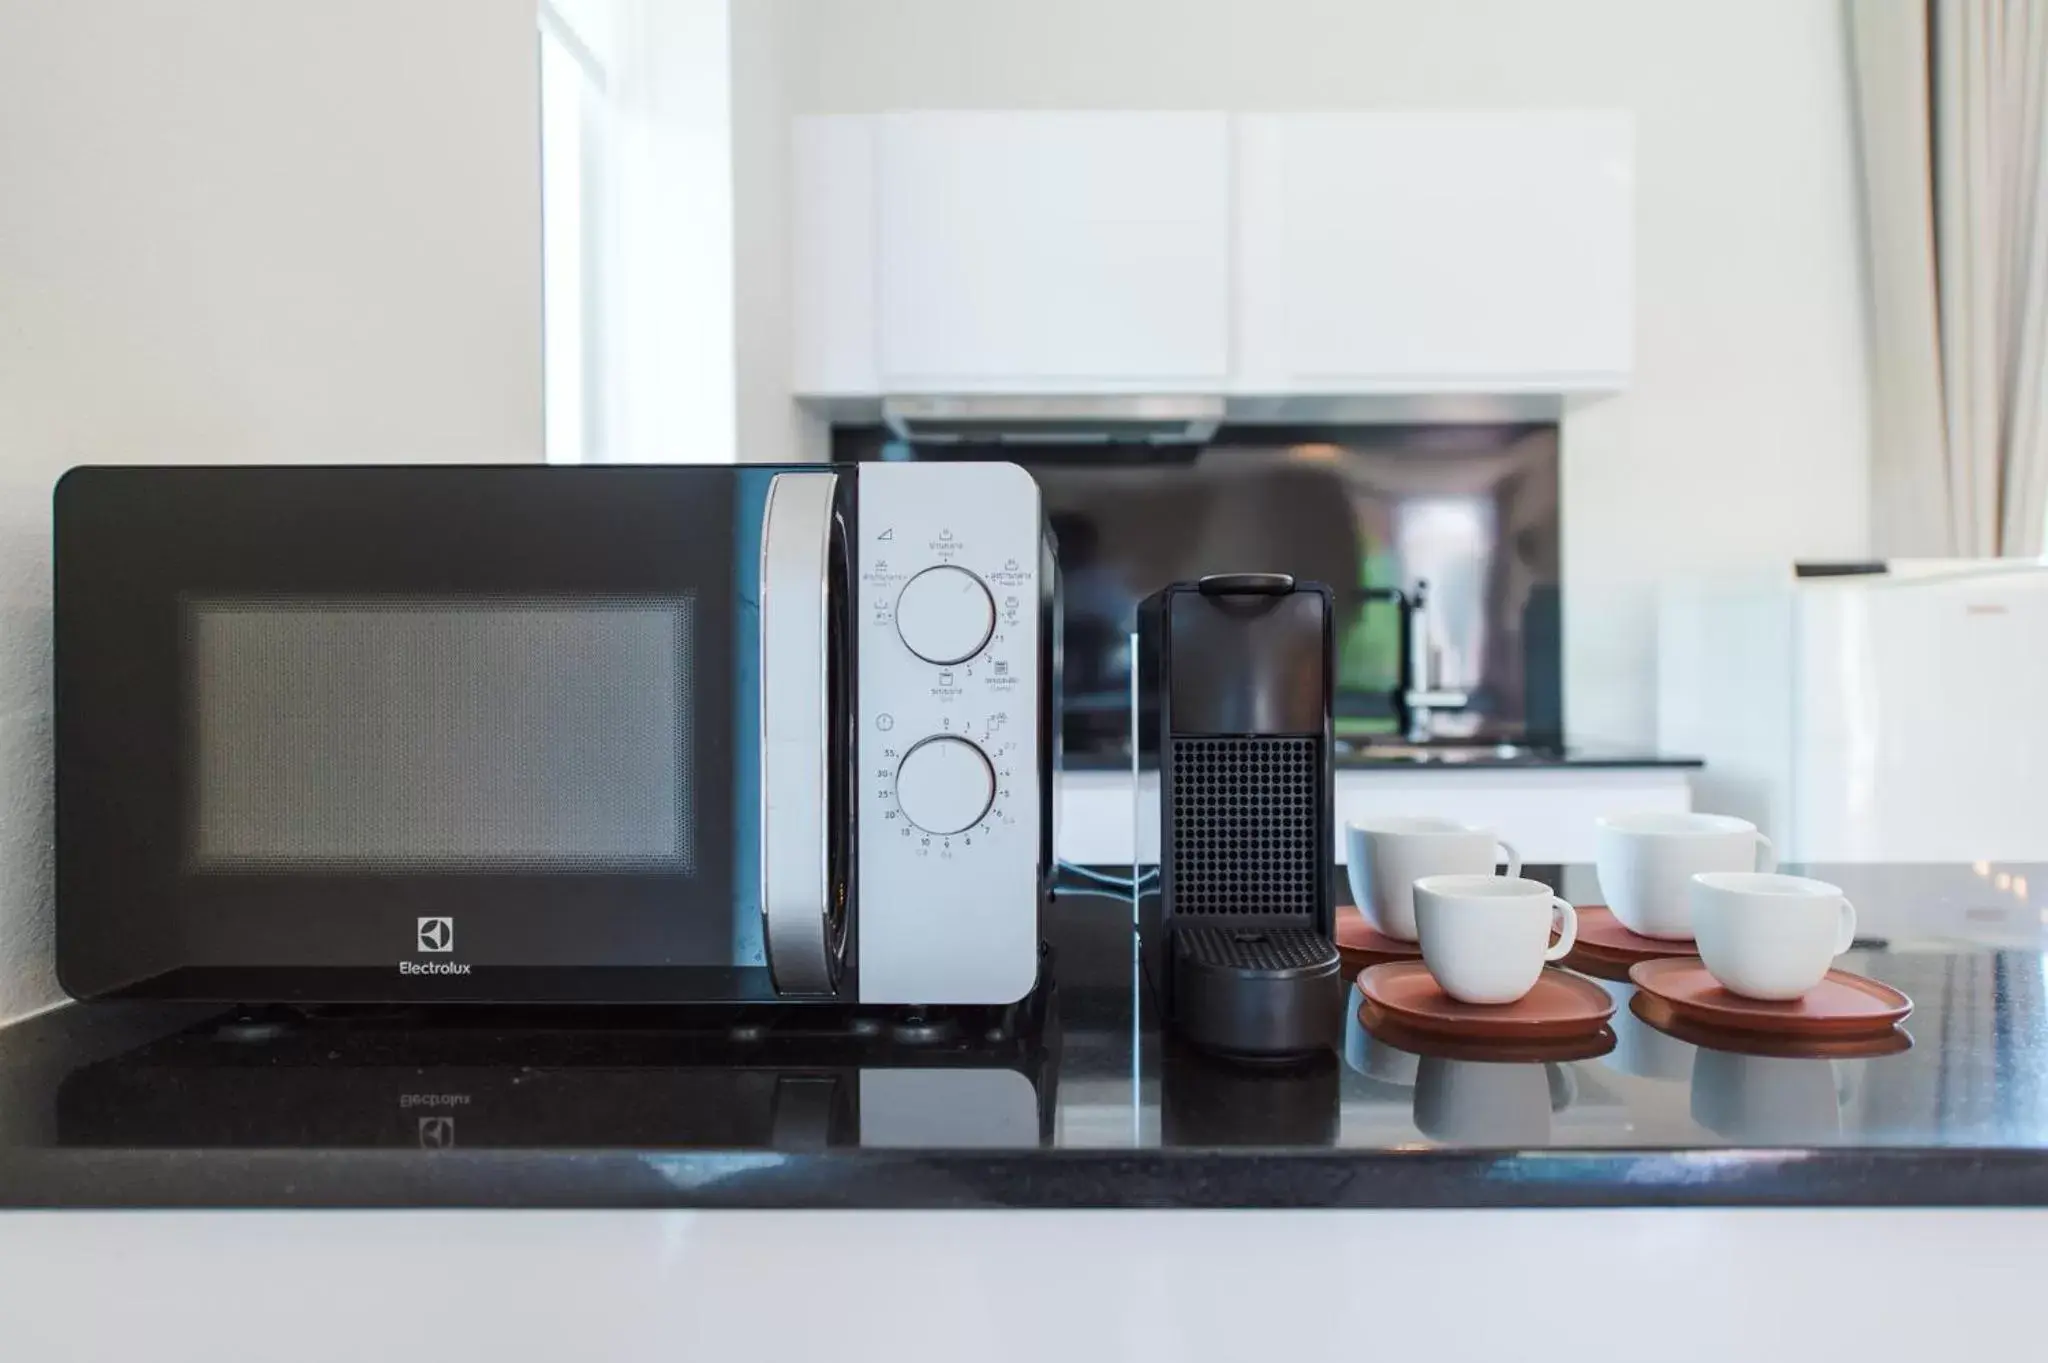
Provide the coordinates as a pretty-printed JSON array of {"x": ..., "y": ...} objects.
[
  {"x": 1845, "y": 935},
  {"x": 1766, "y": 854},
  {"x": 1564, "y": 1089},
  {"x": 1565, "y": 919},
  {"x": 1514, "y": 858}
]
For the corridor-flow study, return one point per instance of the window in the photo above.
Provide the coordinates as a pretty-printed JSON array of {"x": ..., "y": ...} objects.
[
  {"x": 576, "y": 226},
  {"x": 636, "y": 228}
]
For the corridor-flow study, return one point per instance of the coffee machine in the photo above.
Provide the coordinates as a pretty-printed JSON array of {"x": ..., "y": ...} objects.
[{"x": 1236, "y": 679}]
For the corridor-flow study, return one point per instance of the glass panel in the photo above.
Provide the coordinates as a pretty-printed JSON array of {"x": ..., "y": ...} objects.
[
  {"x": 1471, "y": 511},
  {"x": 421, "y": 734}
]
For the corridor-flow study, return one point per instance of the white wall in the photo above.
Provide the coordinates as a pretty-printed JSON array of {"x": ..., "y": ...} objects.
[
  {"x": 765, "y": 37},
  {"x": 1741, "y": 442},
  {"x": 240, "y": 231}
]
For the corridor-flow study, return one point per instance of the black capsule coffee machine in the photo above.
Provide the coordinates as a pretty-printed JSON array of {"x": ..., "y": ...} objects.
[{"x": 1235, "y": 682}]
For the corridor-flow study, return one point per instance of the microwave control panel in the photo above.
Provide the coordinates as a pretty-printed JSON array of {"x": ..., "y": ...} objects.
[{"x": 947, "y": 614}]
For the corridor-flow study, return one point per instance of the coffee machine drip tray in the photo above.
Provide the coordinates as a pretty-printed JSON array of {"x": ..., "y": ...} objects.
[{"x": 1257, "y": 991}]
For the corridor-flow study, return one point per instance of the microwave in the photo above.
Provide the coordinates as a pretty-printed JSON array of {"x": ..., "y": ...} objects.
[{"x": 666, "y": 734}]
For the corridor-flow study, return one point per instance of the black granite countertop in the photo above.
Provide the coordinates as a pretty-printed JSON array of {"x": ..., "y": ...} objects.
[
  {"x": 1444, "y": 756},
  {"x": 1073, "y": 1101}
]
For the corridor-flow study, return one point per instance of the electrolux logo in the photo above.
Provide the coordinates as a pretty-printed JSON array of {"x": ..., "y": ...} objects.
[
  {"x": 408, "y": 1100},
  {"x": 434, "y": 936}
]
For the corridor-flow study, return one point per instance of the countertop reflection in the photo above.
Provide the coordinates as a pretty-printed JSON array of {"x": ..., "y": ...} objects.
[
  {"x": 1075, "y": 1099},
  {"x": 1968, "y": 1071}
]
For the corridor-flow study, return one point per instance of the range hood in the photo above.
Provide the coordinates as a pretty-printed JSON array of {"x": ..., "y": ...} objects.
[
  {"x": 1167, "y": 419},
  {"x": 1091, "y": 420}
]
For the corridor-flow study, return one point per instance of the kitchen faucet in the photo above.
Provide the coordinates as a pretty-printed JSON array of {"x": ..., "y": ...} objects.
[{"x": 1417, "y": 696}]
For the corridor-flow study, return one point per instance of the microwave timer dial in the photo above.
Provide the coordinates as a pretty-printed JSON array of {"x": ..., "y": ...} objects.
[
  {"x": 945, "y": 785},
  {"x": 945, "y": 615}
]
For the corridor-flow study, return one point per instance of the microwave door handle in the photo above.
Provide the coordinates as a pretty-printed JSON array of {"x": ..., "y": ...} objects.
[{"x": 796, "y": 546}]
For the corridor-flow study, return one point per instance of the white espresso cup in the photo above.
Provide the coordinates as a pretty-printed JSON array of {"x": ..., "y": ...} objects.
[
  {"x": 1485, "y": 938},
  {"x": 1376, "y": 1059},
  {"x": 1768, "y": 1100},
  {"x": 1639, "y": 1048},
  {"x": 1383, "y": 858},
  {"x": 1769, "y": 936},
  {"x": 1473, "y": 1102},
  {"x": 1647, "y": 861}
]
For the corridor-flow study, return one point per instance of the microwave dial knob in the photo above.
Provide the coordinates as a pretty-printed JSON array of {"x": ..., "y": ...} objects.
[
  {"x": 945, "y": 785},
  {"x": 945, "y": 615}
]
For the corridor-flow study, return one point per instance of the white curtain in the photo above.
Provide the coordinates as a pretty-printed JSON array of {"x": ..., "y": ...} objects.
[{"x": 1952, "y": 101}]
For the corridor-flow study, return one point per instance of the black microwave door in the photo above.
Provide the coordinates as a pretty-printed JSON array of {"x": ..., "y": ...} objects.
[{"x": 408, "y": 733}]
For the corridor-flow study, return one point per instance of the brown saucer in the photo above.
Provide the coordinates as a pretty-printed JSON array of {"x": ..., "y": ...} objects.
[
  {"x": 1659, "y": 1014},
  {"x": 1560, "y": 1006},
  {"x": 1607, "y": 949},
  {"x": 1588, "y": 1046},
  {"x": 1840, "y": 1005},
  {"x": 1359, "y": 942}
]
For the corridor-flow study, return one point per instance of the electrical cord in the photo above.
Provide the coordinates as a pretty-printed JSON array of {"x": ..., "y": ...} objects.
[{"x": 1124, "y": 883}]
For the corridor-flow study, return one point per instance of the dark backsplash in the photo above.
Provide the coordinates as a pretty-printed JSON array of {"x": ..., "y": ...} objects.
[{"x": 1472, "y": 509}]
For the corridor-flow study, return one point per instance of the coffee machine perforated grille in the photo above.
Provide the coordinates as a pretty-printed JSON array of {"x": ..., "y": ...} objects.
[{"x": 1243, "y": 825}]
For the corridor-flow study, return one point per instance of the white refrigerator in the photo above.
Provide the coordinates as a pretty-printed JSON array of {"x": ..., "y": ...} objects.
[{"x": 1891, "y": 715}]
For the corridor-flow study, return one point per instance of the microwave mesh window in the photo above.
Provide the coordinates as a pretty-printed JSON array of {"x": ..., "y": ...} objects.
[
  {"x": 439, "y": 734},
  {"x": 1244, "y": 825}
]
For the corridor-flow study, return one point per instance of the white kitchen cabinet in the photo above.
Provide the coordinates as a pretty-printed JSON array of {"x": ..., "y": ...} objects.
[
  {"x": 833, "y": 257},
  {"x": 1422, "y": 252},
  {"x": 1251, "y": 255},
  {"x": 1053, "y": 252}
]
